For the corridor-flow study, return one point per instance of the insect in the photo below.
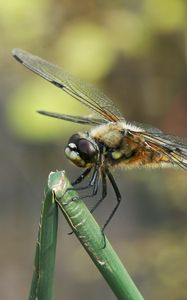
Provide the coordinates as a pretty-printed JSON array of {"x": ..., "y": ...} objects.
[{"x": 112, "y": 142}]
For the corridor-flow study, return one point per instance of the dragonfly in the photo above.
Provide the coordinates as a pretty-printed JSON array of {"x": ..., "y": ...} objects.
[{"x": 112, "y": 142}]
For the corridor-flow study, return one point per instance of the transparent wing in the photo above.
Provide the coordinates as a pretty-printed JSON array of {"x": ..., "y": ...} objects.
[
  {"x": 76, "y": 119},
  {"x": 146, "y": 127},
  {"x": 175, "y": 148},
  {"x": 80, "y": 90}
]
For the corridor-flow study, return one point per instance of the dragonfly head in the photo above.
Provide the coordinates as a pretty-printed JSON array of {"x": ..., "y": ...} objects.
[{"x": 82, "y": 150}]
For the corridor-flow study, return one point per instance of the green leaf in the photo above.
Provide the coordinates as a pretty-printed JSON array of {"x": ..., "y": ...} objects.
[
  {"x": 42, "y": 281},
  {"x": 91, "y": 237}
]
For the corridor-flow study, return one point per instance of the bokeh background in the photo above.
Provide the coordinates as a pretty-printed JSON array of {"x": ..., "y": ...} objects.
[{"x": 135, "y": 51}]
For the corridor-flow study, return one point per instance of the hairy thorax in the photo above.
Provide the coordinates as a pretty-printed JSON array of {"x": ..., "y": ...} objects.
[{"x": 122, "y": 148}]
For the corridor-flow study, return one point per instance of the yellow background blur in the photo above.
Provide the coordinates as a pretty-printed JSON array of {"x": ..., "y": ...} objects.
[{"x": 136, "y": 52}]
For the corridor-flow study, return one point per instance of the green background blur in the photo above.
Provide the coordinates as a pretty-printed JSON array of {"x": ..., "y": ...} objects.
[{"x": 136, "y": 51}]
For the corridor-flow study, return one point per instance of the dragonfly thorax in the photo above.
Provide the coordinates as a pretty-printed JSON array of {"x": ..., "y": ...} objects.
[{"x": 82, "y": 150}]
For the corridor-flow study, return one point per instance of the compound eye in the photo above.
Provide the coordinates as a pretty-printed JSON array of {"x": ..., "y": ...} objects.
[
  {"x": 74, "y": 139},
  {"x": 86, "y": 150}
]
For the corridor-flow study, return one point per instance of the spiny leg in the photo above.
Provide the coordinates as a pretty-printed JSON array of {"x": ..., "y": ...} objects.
[
  {"x": 81, "y": 177},
  {"x": 92, "y": 180},
  {"x": 94, "y": 184},
  {"x": 118, "y": 198},
  {"x": 104, "y": 192},
  {"x": 79, "y": 180},
  {"x": 91, "y": 183}
]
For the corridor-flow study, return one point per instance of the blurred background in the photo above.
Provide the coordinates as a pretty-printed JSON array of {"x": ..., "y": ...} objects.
[{"x": 136, "y": 52}]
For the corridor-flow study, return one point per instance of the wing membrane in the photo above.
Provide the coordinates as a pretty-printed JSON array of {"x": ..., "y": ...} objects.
[
  {"x": 173, "y": 147},
  {"x": 76, "y": 119},
  {"x": 146, "y": 127},
  {"x": 80, "y": 90}
]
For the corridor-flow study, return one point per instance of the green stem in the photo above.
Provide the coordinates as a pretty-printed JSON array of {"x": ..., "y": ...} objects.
[
  {"x": 42, "y": 281},
  {"x": 90, "y": 236}
]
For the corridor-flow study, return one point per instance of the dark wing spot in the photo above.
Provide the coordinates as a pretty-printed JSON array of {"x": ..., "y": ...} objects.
[
  {"x": 59, "y": 85},
  {"x": 17, "y": 58}
]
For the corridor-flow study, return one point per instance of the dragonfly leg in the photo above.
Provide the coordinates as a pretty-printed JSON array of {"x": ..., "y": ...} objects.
[
  {"x": 104, "y": 192},
  {"x": 81, "y": 177},
  {"x": 118, "y": 198},
  {"x": 92, "y": 183}
]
